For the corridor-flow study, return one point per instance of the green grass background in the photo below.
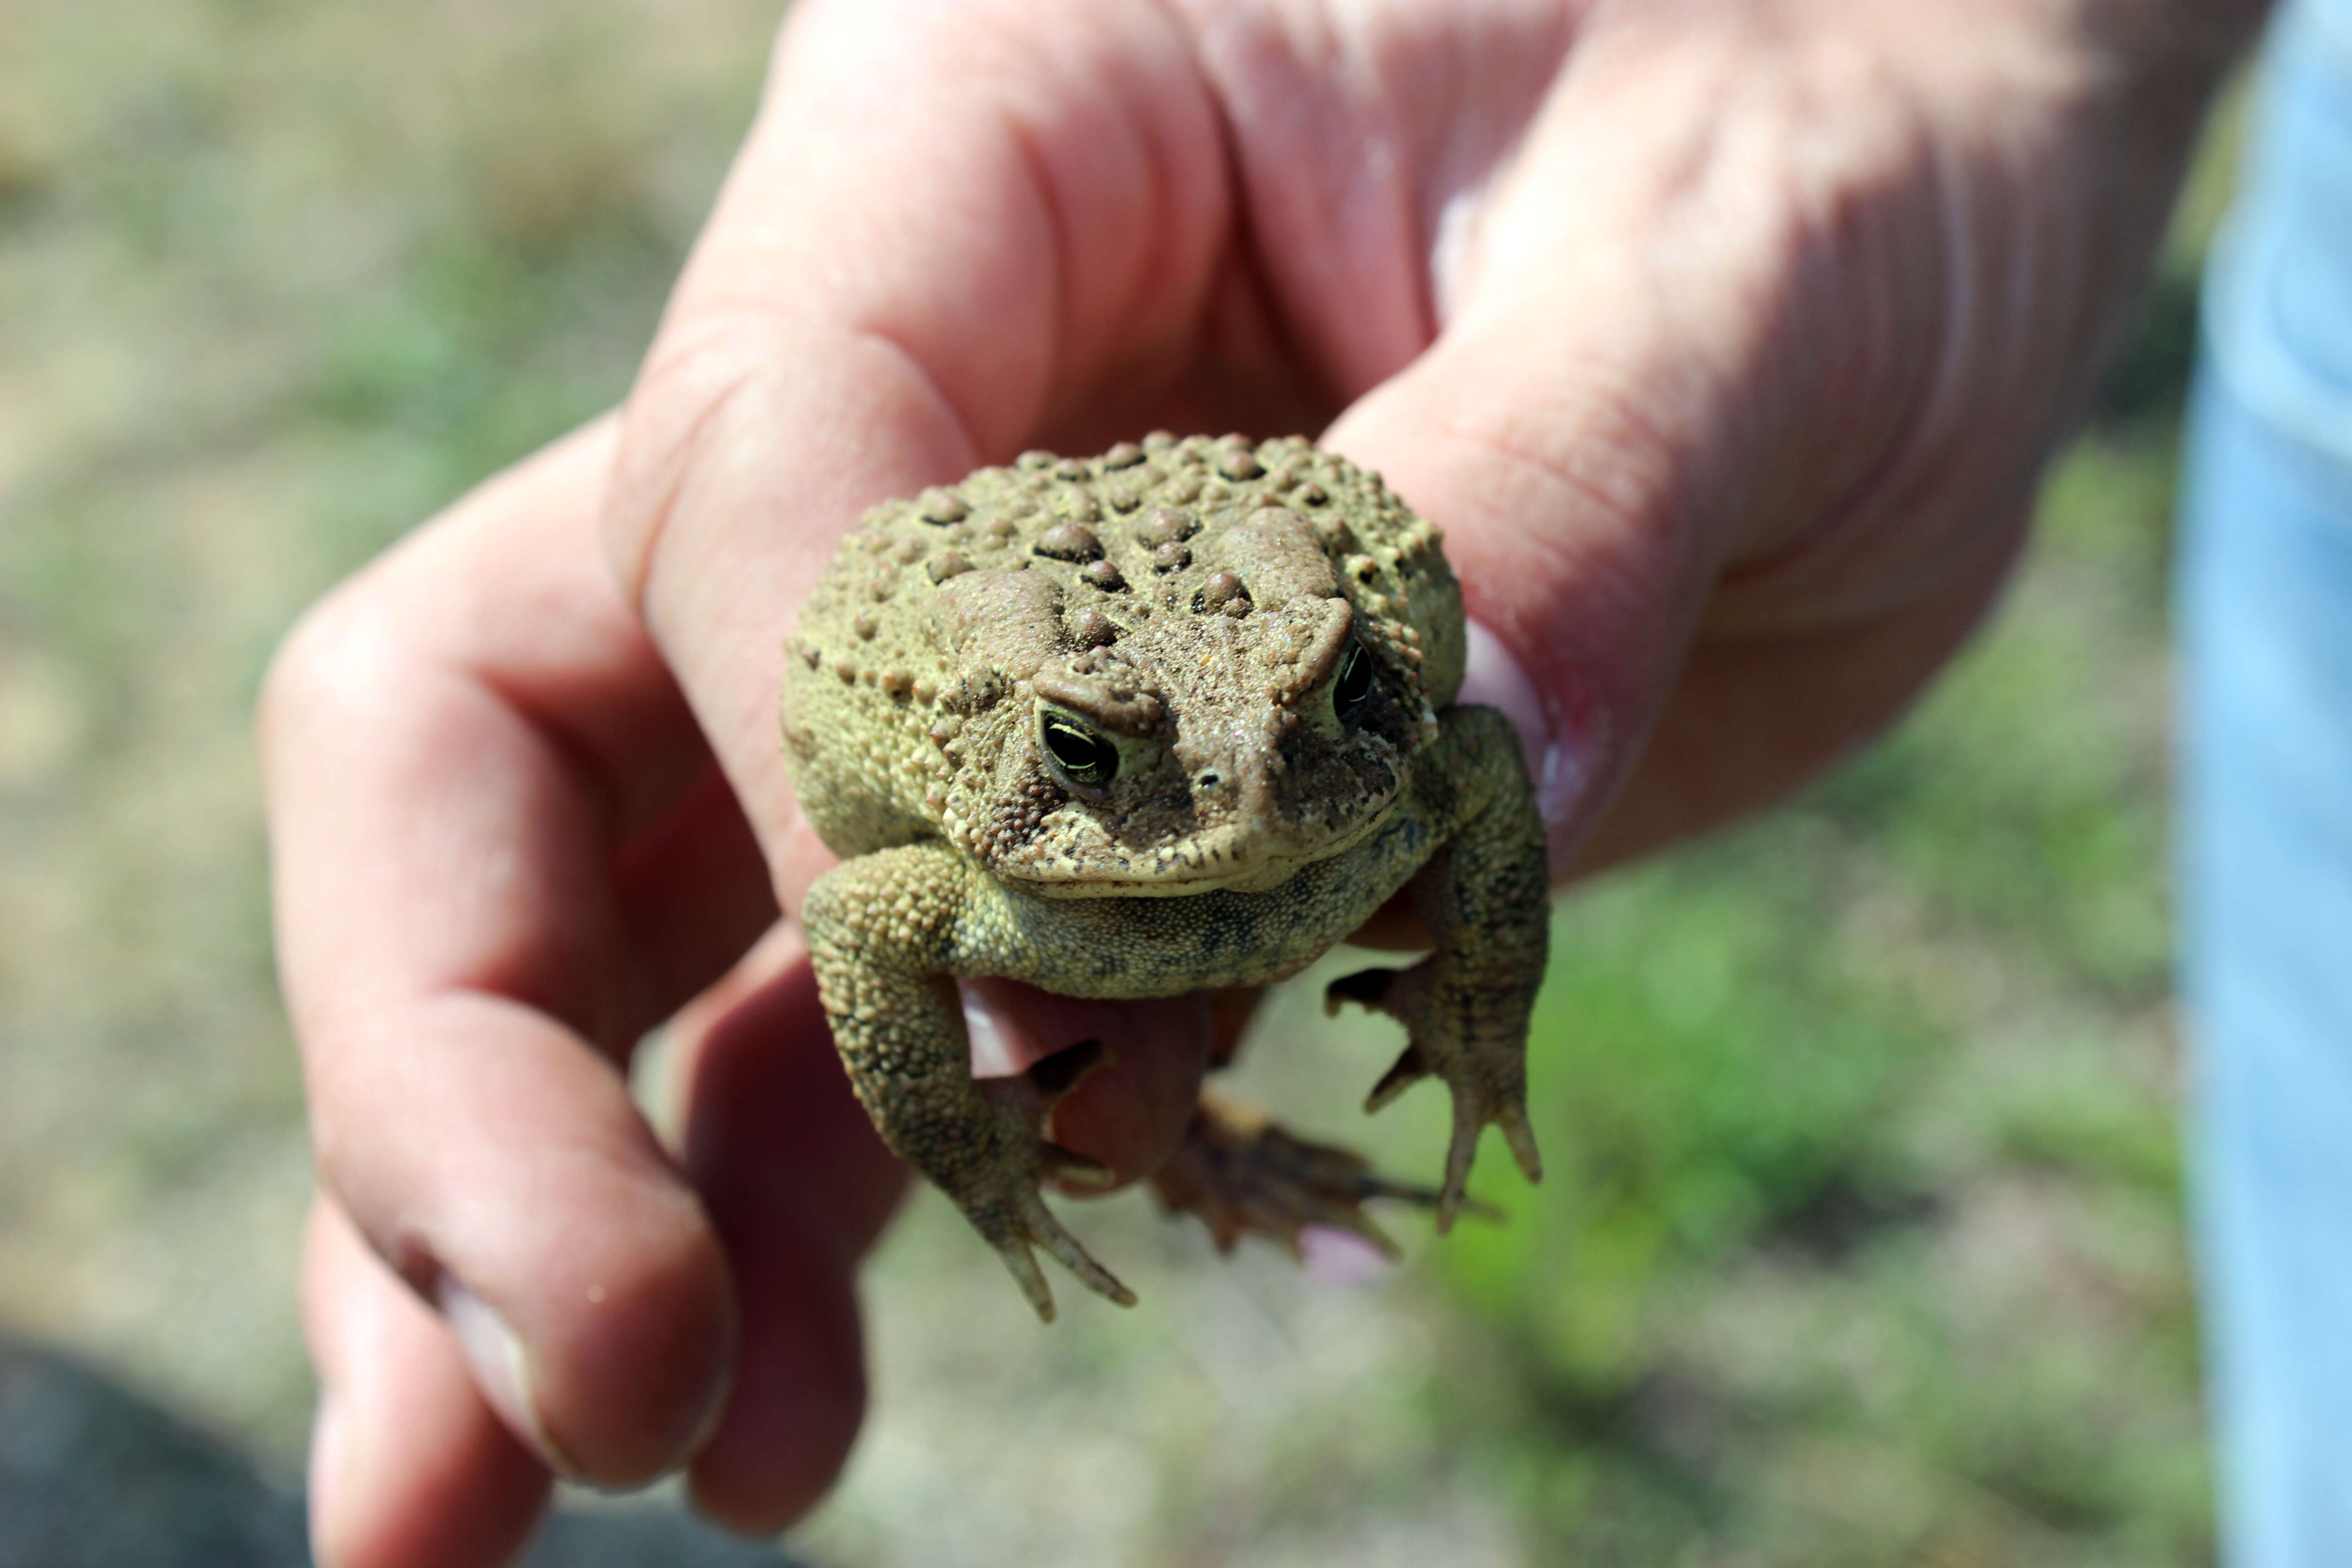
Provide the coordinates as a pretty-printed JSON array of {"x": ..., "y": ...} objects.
[{"x": 1861, "y": 1242}]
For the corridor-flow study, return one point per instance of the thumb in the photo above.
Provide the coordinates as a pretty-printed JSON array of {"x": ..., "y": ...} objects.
[
  {"x": 1580, "y": 475},
  {"x": 1672, "y": 429}
]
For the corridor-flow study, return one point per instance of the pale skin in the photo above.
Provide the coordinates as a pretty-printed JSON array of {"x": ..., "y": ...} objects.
[{"x": 1726, "y": 339}]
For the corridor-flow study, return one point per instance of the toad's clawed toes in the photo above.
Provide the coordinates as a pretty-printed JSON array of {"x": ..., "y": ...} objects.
[
  {"x": 1243, "y": 1176},
  {"x": 999, "y": 1192},
  {"x": 1486, "y": 1070},
  {"x": 1032, "y": 1225}
]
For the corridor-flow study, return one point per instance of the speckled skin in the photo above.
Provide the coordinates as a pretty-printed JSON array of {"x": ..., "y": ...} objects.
[{"x": 1242, "y": 795}]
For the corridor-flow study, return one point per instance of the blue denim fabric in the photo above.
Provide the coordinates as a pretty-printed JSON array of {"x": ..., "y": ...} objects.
[{"x": 2266, "y": 814}]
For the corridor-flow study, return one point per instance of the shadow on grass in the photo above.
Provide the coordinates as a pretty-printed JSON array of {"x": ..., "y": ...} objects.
[{"x": 93, "y": 1475}]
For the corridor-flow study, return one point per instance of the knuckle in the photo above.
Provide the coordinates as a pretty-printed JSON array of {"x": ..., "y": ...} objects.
[
  {"x": 335, "y": 652},
  {"x": 351, "y": 654},
  {"x": 683, "y": 417}
]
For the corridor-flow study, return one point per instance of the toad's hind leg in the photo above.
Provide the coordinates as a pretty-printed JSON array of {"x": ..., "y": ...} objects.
[{"x": 1244, "y": 1175}]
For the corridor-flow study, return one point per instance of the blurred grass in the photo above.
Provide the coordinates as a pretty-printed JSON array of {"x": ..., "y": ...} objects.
[
  {"x": 1861, "y": 1242},
  {"x": 276, "y": 280},
  {"x": 1864, "y": 1243}
]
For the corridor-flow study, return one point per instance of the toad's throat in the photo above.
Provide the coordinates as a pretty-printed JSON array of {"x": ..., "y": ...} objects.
[{"x": 1234, "y": 859}]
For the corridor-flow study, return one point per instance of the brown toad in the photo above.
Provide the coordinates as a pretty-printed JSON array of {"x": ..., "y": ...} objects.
[{"x": 1171, "y": 718}]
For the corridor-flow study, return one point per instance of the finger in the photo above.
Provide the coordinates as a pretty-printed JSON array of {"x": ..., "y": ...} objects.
[
  {"x": 950, "y": 229},
  {"x": 500, "y": 1169},
  {"x": 1130, "y": 1112},
  {"x": 408, "y": 1464},
  {"x": 455, "y": 953},
  {"x": 500, "y": 620},
  {"x": 693, "y": 894},
  {"x": 1752, "y": 717},
  {"x": 1396, "y": 926},
  {"x": 799, "y": 1185},
  {"x": 1629, "y": 399}
]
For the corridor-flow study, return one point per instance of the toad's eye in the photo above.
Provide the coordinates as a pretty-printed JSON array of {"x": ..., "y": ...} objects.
[
  {"x": 1078, "y": 753},
  {"x": 1353, "y": 687}
]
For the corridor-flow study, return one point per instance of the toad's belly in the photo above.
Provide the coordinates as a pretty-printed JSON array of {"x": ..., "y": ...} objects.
[{"x": 1165, "y": 947}]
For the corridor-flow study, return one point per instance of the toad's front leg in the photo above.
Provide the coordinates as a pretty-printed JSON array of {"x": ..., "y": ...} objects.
[
  {"x": 880, "y": 930},
  {"x": 1486, "y": 901}
]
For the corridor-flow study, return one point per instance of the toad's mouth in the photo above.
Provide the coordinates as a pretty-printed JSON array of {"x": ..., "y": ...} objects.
[{"x": 1230, "y": 860}]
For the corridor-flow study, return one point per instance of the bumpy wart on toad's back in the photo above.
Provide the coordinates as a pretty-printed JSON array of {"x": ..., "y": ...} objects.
[{"x": 1174, "y": 718}]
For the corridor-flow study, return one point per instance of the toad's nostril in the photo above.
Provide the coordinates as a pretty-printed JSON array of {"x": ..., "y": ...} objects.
[{"x": 1208, "y": 780}]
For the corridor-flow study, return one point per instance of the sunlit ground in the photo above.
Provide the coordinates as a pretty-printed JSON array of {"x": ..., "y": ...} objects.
[{"x": 1861, "y": 1242}]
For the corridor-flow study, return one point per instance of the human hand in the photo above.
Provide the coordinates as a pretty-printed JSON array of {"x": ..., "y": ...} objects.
[
  {"x": 503, "y": 853},
  {"x": 1725, "y": 344}
]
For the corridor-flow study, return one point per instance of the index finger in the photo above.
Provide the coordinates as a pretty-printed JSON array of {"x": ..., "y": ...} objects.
[
  {"x": 460, "y": 747},
  {"x": 950, "y": 230}
]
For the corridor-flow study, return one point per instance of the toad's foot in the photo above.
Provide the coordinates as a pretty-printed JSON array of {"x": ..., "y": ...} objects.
[
  {"x": 1244, "y": 1175},
  {"x": 1001, "y": 1196},
  {"x": 1488, "y": 1073}
]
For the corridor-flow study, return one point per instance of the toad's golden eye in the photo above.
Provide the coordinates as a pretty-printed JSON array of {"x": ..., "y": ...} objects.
[
  {"x": 1353, "y": 687},
  {"x": 1078, "y": 753}
]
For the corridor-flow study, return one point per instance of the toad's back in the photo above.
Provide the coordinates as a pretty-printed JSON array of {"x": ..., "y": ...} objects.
[{"x": 1198, "y": 575}]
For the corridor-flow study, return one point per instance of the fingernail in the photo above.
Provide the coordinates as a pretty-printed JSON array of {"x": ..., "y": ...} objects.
[
  {"x": 501, "y": 1370},
  {"x": 1561, "y": 768},
  {"x": 1561, "y": 783},
  {"x": 993, "y": 1052}
]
